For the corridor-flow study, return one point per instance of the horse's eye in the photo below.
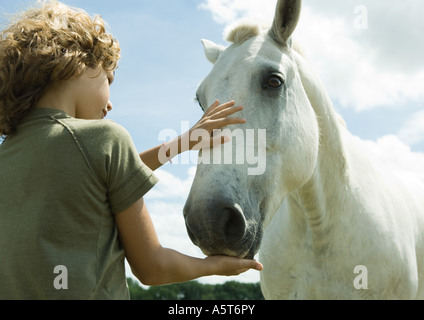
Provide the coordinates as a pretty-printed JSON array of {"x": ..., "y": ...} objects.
[{"x": 275, "y": 82}]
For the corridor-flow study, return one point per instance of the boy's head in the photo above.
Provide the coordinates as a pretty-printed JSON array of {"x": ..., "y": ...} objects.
[{"x": 49, "y": 43}]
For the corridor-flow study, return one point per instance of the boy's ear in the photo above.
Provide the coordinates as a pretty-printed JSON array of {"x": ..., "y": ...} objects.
[{"x": 212, "y": 50}]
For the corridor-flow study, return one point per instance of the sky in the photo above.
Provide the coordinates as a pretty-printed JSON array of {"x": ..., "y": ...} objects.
[{"x": 367, "y": 53}]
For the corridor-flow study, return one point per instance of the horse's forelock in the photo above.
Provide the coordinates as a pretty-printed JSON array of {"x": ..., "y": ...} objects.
[{"x": 243, "y": 30}]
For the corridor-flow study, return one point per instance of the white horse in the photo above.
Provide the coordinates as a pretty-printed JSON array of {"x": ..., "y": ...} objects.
[{"x": 338, "y": 224}]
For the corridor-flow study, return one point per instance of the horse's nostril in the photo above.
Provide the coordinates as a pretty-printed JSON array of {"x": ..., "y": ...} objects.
[{"x": 233, "y": 225}]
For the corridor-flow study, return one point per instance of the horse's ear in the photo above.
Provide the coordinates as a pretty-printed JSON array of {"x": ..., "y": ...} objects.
[
  {"x": 212, "y": 50},
  {"x": 285, "y": 22}
]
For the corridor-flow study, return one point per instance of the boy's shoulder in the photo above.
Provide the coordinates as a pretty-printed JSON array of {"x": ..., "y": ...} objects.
[
  {"x": 104, "y": 144},
  {"x": 97, "y": 129},
  {"x": 99, "y": 136}
]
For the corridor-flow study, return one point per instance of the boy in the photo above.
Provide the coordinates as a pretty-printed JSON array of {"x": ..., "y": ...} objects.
[{"x": 71, "y": 183}]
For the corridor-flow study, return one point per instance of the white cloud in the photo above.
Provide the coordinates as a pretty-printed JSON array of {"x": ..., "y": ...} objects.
[
  {"x": 350, "y": 68},
  {"x": 412, "y": 132},
  {"x": 380, "y": 66},
  {"x": 397, "y": 155},
  {"x": 226, "y": 11},
  {"x": 171, "y": 187}
]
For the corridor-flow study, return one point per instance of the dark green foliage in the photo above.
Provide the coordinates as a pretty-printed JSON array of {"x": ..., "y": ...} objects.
[{"x": 194, "y": 290}]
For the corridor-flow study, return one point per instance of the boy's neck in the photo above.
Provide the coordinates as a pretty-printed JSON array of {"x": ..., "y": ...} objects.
[{"x": 58, "y": 96}]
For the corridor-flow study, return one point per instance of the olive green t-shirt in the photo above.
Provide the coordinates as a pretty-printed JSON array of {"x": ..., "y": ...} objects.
[{"x": 62, "y": 181}]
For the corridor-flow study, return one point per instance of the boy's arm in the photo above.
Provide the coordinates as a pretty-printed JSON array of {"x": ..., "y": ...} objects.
[
  {"x": 216, "y": 117},
  {"x": 154, "y": 265}
]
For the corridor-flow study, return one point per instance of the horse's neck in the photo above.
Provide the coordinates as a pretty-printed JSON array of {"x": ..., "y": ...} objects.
[
  {"x": 318, "y": 205},
  {"x": 325, "y": 193},
  {"x": 321, "y": 199}
]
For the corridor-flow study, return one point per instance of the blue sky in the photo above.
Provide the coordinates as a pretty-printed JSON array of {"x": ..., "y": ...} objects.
[
  {"x": 162, "y": 60},
  {"x": 375, "y": 76}
]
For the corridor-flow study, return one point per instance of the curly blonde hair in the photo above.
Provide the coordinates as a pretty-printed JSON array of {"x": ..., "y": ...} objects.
[{"x": 50, "y": 42}]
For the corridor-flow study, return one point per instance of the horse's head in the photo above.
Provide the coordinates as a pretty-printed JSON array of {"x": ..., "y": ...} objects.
[{"x": 229, "y": 204}]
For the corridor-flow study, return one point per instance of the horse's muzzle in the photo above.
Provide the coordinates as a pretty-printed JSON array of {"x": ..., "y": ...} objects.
[{"x": 220, "y": 229}]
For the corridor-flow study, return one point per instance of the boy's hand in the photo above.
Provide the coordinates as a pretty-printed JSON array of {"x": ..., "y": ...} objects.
[
  {"x": 230, "y": 266},
  {"x": 215, "y": 118},
  {"x": 202, "y": 135}
]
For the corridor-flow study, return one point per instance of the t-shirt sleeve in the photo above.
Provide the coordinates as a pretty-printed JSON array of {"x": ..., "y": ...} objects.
[
  {"x": 129, "y": 178},
  {"x": 118, "y": 165}
]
